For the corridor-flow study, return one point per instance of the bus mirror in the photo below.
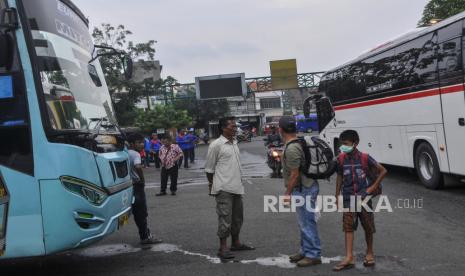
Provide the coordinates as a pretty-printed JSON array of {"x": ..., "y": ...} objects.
[
  {"x": 9, "y": 19},
  {"x": 308, "y": 106},
  {"x": 6, "y": 51},
  {"x": 325, "y": 112},
  {"x": 128, "y": 67}
]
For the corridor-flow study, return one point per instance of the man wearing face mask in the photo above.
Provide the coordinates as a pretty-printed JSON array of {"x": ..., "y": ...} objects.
[{"x": 353, "y": 170}]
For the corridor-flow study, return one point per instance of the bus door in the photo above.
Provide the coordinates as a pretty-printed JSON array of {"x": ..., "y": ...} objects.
[
  {"x": 450, "y": 68},
  {"x": 4, "y": 199}
]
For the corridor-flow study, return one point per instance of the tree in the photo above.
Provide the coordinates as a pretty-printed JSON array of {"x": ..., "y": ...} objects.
[
  {"x": 117, "y": 37},
  {"x": 441, "y": 9},
  {"x": 162, "y": 116}
]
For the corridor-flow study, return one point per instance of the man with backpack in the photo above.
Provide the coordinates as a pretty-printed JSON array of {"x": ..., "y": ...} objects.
[
  {"x": 298, "y": 184},
  {"x": 358, "y": 175}
]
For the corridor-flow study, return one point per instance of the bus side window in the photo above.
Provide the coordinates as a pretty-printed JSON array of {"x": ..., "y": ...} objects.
[
  {"x": 451, "y": 31},
  {"x": 450, "y": 62},
  {"x": 379, "y": 73},
  {"x": 416, "y": 63}
]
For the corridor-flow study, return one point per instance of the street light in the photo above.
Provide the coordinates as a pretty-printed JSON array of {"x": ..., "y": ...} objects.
[{"x": 434, "y": 21}]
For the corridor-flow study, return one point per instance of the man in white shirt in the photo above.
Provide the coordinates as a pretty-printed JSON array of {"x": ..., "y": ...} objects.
[{"x": 223, "y": 170}]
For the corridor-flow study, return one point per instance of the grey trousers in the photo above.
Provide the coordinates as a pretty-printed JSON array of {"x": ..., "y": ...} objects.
[{"x": 230, "y": 214}]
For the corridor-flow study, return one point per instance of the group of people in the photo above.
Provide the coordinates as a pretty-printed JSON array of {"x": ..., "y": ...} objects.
[
  {"x": 186, "y": 140},
  {"x": 224, "y": 175},
  {"x": 223, "y": 169}
]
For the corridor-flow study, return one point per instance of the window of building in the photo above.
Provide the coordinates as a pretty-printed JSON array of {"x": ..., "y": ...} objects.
[{"x": 268, "y": 103}]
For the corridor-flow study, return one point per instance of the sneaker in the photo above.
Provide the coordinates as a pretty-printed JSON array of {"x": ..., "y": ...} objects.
[
  {"x": 161, "y": 194},
  {"x": 150, "y": 240},
  {"x": 173, "y": 193},
  {"x": 308, "y": 262}
]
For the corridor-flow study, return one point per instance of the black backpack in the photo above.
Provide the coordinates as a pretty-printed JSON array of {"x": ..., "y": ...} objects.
[{"x": 319, "y": 158}]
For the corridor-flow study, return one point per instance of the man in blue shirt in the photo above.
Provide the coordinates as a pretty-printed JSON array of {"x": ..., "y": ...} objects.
[
  {"x": 192, "y": 140},
  {"x": 182, "y": 142},
  {"x": 147, "y": 149},
  {"x": 155, "y": 149}
]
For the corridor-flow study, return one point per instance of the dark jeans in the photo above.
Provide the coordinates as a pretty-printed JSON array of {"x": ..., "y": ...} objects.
[
  {"x": 192, "y": 155},
  {"x": 156, "y": 159},
  {"x": 173, "y": 174},
  {"x": 139, "y": 210},
  {"x": 230, "y": 214},
  {"x": 147, "y": 159},
  {"x": 186, "y": 153}
]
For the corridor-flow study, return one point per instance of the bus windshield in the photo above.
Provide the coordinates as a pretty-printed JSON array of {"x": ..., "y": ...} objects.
[{"x": 74, "y": 89}]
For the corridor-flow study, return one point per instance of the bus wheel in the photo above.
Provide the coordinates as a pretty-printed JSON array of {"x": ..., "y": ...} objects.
[{"x": 427, "y": 167}]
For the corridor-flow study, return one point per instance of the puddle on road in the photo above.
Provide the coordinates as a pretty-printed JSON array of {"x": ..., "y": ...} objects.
[{"x": 107, "y": 250}]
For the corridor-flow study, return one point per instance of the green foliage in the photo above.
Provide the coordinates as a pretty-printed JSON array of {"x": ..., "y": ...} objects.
[
  {"x": 117, "y": 37},
  {"x": 441, "y": 9},
  {"x": 162, "y": 116}
]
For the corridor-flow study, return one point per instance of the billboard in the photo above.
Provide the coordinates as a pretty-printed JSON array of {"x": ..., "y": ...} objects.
[
  {"x": 283, "y": 74},
  {"x": 220, "y": 86}
]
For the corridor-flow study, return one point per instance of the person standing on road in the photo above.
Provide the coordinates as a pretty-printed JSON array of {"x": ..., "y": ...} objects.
[
  {"x": 155, "y": 149},
  {"x": 147, "y": 151},
  {"x": 223, "y": 169},
  {"x": 170, "y": 154},
  {"x": 192, "y": 140},
  {"x": 352, "y": 173},
  {"x": 182, "y": 142},
  {"x": 139, "y": 207},
  {"x": 299, "y": 185}
]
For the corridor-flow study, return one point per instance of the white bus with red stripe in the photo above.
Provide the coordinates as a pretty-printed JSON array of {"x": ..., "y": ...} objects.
[{"x": 406, "y": 99}]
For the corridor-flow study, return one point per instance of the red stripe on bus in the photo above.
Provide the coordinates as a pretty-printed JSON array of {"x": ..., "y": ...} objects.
[
  {"x": 416, "y": 95},
  {"x": 452, "y": 89}
]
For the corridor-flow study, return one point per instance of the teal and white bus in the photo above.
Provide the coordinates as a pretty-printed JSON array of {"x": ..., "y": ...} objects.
[{"x": 64, "y": 180}]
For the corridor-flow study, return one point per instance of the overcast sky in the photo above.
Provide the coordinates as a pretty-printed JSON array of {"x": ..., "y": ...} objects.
[{"x": 210, "y": 37}]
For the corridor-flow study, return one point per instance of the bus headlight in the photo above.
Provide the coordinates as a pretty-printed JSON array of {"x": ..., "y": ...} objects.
[{"x": 87, "y": 190}]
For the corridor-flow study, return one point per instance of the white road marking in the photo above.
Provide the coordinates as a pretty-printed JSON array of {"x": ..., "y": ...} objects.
[{"x": 117, "y": 249}]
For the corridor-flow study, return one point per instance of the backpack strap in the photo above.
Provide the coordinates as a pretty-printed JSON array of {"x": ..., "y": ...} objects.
[
  {"x": 298, "y": 140},
  {"x": 340, "y": 159},
  {"x": 365, "y": 161}
]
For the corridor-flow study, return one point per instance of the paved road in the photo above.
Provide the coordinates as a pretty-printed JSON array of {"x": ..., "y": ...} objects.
[{"x": 410, "y": 241}]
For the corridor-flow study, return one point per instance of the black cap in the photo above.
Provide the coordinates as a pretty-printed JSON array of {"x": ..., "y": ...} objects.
[{"x": 288, "y": 124}]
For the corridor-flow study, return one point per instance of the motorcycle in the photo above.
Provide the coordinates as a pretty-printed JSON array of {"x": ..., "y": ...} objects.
[
  {"x": 245, "y": 136},
  {"x": 274, "y": 153}
]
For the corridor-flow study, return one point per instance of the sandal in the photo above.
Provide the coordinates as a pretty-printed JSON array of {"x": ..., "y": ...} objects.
[
  {"x": 343, "y": 266},
  {"x": 225, "y": 255},
  {"x": 242, "y": 247},
  {"x": 369, "y": 262}
]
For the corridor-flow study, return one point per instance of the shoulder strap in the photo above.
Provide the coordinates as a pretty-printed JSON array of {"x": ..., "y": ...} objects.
[
  {"x": 340, "y": 159},
  {"x": 365, "y": 161},
  {"x": 291, "y": 142}
]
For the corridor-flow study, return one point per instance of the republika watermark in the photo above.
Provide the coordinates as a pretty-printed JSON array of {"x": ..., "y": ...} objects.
[{"x": 330, "y": 204}]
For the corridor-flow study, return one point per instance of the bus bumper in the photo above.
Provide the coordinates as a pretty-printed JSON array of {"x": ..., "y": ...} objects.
[{"x": 70, "y": 221}]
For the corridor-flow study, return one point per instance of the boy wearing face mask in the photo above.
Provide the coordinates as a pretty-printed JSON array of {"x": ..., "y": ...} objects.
[{"x": 352, "y": 182}]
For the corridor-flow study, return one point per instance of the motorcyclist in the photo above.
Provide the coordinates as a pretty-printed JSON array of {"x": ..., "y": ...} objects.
[{"x": 273, "y": 137}]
